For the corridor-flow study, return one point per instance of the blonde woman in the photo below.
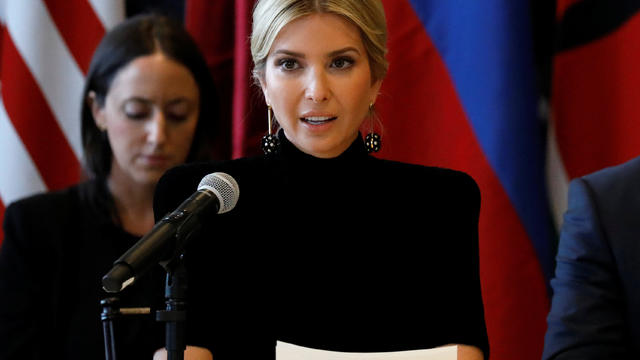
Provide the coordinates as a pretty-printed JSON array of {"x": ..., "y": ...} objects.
[{"x": 328, "y": 247}]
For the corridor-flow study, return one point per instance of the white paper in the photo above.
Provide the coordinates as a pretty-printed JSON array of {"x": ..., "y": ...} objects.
[{"x": 286, "y": 351}]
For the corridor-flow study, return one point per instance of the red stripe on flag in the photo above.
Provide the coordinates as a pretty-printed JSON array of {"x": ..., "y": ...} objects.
[
  {"x": 34, "y": 121},
  {"x": 81, "y": 35},
  {"x": 425, "y": 123},
  {"x": 595, "y": 111}
]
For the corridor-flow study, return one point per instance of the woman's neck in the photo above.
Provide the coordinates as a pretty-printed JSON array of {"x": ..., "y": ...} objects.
[{"x": 133, "y": 202}]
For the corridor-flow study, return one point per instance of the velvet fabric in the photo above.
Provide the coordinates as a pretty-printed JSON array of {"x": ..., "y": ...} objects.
[{"x": 351, "y": 253}]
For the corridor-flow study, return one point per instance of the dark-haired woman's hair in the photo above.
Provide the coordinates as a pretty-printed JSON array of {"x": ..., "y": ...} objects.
[{"x": 140, "y": 36}]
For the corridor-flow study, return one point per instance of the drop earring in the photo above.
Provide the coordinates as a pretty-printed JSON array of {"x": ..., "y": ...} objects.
[
  {"x": 270, "y": 142},
  {"x": 372, "y": 141}
]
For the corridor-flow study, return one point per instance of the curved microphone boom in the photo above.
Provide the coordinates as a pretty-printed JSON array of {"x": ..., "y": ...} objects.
[{"x": 217, "y": 193}]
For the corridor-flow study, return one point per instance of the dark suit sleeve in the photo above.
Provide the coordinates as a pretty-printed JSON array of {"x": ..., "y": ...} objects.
[
  {"x": 22, "y": 288},
  {"x": 586, "y": 320}
]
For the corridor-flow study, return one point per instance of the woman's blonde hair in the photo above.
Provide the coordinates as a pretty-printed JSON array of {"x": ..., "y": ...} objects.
[{"x": 270, "y": 16}]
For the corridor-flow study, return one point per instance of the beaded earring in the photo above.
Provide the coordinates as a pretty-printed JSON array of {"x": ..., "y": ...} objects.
[
  {"x": 372, "y": 141},
  {"x": 270, "y": 142}
]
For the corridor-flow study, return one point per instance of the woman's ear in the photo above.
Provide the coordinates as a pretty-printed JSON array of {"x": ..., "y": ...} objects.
[
  {"x": 96, "y": 110},
  {"x": 375, "y": 90},
  {"x": 263, "y": 87}
]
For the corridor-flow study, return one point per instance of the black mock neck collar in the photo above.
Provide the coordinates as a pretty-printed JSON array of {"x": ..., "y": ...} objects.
[{"x": 289, "y": 152}]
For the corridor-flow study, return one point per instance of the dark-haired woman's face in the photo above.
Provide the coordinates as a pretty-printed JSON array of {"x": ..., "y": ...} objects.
[{"x": 150, "y": 115}]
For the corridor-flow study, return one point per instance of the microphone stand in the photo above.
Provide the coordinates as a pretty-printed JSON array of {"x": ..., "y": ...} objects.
[
  {"x": 111, "y": 311},
  {"x": 175, "y": 294},
  {"x": 174, "y": 315}
]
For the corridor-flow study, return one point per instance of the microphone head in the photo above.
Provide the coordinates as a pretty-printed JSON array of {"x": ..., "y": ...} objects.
[{"x": 225, "y": 187}]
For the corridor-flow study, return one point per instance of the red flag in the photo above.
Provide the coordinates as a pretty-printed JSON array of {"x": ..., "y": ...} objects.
[
  {"x": 221, "y": 29},
  {"x": 45, "y": 52},
  {"x": 595, "y": 87}
]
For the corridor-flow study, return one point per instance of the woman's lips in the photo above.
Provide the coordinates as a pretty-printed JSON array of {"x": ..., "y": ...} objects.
[
  {"x": 318, "y": 120},
  {"x": 155, "y": 160}
]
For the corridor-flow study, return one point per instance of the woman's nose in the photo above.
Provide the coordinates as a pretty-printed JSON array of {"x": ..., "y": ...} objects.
[
  {"x": 157, "y": 128},
  {"x": 317, "y": 89}
]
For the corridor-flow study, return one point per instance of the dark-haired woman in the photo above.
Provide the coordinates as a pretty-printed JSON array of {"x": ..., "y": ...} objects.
[{"x": 147, "y": 106}]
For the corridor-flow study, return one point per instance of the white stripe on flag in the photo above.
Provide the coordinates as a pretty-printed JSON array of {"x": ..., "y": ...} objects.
[
  {"x": 3, "y": 11},
  {"x": 110, "y": 12},
  {"x": 557, "y": 178},
  {"x": 41, "y": 46},
  {"x": 20, "y": 177}
]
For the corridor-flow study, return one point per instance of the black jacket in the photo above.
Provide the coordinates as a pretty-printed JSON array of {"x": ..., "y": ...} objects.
[
  {"x": 349, "y": 254},
  {"x": 56, "y": 249}
]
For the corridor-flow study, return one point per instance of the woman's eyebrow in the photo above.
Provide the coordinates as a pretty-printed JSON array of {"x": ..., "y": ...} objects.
[
  {"x": 137, "y": 99},
  {"x": 344, "y": 50},
  {"x": 289, "y": 52}
]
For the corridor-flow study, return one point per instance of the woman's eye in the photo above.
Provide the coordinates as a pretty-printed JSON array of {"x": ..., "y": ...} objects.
[
  {"x": 176, "y": 117},
  {"x": 136, "y": 115},
  {"x": 288, "y": 64},
  {"x": 342, "y": 63},
  {"x": 178, "y": 111},
  {"x": 136, "y": 110}
]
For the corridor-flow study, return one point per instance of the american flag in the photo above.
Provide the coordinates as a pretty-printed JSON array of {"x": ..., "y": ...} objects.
[{"x": 46, "y": 48}]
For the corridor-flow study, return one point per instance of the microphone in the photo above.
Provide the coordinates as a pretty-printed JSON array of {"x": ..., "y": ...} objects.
[{"x": 217, "y": 193}]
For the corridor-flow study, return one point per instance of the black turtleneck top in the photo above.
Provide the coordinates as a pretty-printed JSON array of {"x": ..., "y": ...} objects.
[{"x": 352, "y": 253}]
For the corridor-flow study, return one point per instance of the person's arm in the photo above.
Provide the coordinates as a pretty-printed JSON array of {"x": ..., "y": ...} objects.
[
  {"x": 586, "y": 320},
  {"x": 22, "y": 298}
]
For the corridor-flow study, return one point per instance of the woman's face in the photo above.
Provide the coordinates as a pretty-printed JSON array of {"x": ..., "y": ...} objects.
[
  {"x": 150, "y": 115},
  {"x": 318, "y": 81}
]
